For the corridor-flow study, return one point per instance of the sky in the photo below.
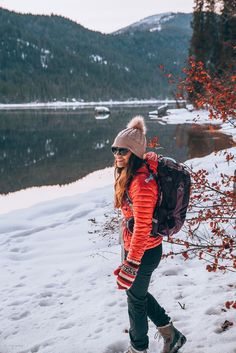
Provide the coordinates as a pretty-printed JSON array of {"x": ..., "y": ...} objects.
[{"x": 104, "y": 15}]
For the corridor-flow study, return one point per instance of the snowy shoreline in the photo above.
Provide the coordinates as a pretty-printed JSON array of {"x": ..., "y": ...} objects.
[
  {"x": 57, "y": 255},
  {"x": 77, "y": 104},
  {"x": 57, "y": 260}
]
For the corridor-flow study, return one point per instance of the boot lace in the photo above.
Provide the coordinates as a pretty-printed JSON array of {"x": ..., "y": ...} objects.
[{"x": 157, "y": 336}]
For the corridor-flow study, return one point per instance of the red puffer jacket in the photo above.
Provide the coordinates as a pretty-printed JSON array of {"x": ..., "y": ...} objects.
[{"x": 143, "y": 194}]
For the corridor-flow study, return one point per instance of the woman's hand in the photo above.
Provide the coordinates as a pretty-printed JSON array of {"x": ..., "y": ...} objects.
[
  {"x": 126, "y": 274},
  {"x": 116, "y": 273}
]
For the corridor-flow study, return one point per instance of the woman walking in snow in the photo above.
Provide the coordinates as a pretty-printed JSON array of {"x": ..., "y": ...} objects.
[{"x": 136, "y": 194}]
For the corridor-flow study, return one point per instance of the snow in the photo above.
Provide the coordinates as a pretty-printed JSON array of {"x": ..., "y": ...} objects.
[
  {"x": 152, "y": 23},
  {"x": 183, "y": 116},
  {"x": 27, "y": 44},
  {"x": 23, "y": 42},
  {"x": 154, "y": 29},
  {"x": 156, "y": 19},
  {"x": 58, "y": 249},
  {"x": 45, "y": 56},
  {"x": 82, "y": 104},
  {"x": 97, "y": 59}
]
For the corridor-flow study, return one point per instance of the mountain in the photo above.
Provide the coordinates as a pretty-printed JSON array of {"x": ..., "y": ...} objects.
[
  {"x": 46, "y": 58},
  {"x": 171, "y": 20}
]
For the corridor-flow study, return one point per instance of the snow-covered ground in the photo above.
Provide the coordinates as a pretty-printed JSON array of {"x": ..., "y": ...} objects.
[{"x": 58, "y": 292}]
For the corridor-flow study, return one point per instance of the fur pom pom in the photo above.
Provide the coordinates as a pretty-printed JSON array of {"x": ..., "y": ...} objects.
[{"x": 137, "y": 123}]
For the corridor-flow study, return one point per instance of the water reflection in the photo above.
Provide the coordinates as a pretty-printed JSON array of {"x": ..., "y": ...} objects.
[
  {"x": 102, "y": 116},
  {"x": 202, "y": 138},
  {"x": 51, "y": 147}
]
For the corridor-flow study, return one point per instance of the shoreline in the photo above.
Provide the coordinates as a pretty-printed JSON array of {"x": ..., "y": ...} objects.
[{"x": 92, "y": 104}]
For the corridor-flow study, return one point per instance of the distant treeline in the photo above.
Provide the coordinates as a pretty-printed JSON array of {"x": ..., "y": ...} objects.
[{"x": 46, "y": 58}]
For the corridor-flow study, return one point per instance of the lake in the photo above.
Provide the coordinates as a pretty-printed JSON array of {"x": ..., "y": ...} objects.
[{"x": 48, "y": 147}]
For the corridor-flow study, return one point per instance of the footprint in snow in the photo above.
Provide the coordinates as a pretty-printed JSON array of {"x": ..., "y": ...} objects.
[
  {"x": 46, "y": 294},
  {"x": 22, "y": 250},
  {"x": 40, "y": 346},
  {"x": 110, "y": 319},
  {"x": 66, "y": 326},
  {"x": 18, "y": 302},
  {"x": 16, "y": 317},
  {"x": 51, "y": 285},
  {"x": 76, "y": 297},
  {"x": 19, "y": 285},
  {"x": 112, "y": 303},
  {"x": 95, "y": 337},
  {"x": 46, "y": 302},
  {"x": 98, "y": 330},
  {"x": 81, "y": 269},
  {"x": 213, "y": 311},
  {"x": 171, "y": 272},
  {"x": 116, "y": 347},
  {"x": 179, "y": 296},
  {"x": 23, "y": 277}
]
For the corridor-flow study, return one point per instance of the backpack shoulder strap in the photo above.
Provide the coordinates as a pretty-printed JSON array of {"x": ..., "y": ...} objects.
[{"x": 151, "y": 176}]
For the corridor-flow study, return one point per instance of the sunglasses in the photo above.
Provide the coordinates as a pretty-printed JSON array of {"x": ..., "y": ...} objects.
[{"x": 119, "y": 150}]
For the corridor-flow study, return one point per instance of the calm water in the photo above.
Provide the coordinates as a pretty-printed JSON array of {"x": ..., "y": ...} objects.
[{"x": 58, "y": 147}]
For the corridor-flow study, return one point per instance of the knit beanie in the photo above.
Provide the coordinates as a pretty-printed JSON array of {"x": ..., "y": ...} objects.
[{"x": 133, "y": 137}]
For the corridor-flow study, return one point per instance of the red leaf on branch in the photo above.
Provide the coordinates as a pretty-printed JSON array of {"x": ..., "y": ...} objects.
[
  {"x": 154, "y": 142},
  {"x": 230, "y": 304},
  {"x": 209, "y": 268},
  {"x": 186, "y": 244},
  {"x": 185, "y": 255}
]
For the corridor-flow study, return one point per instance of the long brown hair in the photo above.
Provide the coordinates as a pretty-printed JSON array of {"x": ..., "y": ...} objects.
[{"x": 123, "y": 177}]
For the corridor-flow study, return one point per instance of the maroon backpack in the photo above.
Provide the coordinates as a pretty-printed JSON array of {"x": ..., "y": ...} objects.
[{"x": 174, "y": 184}]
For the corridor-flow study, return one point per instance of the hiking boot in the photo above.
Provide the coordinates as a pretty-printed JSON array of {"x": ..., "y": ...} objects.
[
  {"x": 173, "y": 339},
  {"x": 133, "y": 350}
]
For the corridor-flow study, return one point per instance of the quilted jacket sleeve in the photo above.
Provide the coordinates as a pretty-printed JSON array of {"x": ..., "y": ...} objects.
[{"x": 144, "y": 197}]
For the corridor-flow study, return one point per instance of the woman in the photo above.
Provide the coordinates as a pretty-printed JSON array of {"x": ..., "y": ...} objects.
[{"x": 136, "y": 194}]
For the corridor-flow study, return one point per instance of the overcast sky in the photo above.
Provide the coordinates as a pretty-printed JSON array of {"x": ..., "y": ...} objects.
[{"x": 101, "y": 15}]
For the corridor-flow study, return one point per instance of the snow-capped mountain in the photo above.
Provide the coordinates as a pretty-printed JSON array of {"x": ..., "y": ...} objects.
[{"x": 159, "y": 22}]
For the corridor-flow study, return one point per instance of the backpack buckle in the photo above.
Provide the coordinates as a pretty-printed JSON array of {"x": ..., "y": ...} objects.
[{"x": 151, "y": 177}]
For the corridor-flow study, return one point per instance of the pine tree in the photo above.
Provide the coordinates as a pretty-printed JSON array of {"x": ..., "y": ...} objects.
[
  {"x": 228, "y": 37},
  {"x": 197, "y": 41},
  {"x": 212, "y": 36},
  {"x": 205, "y": 43},
  {"x": 198, "y": 45}
]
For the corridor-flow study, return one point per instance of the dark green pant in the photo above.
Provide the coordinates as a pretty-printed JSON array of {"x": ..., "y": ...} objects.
[{"x": 142, "y": 304}]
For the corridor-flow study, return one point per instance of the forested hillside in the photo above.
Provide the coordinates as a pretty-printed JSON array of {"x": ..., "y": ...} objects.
[{"x": 45, "y": 58}]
